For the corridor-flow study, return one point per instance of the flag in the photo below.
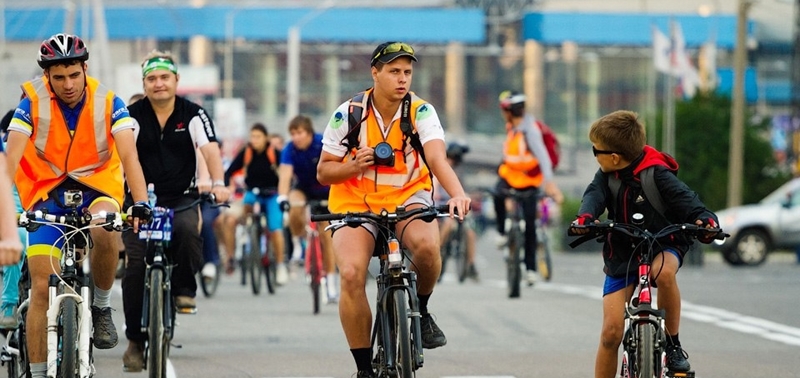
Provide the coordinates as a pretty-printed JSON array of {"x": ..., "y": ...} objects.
[
  {"x": 661, "y": 50},
  {"x": 681, "y": 66}
]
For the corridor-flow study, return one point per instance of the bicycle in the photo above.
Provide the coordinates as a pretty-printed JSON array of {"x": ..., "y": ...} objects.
[
  {"x": 398, "y": 342},
  {"x": 69, "y": 317},
  {"x": 315, "y": 269},
  {"x": 516, "y": 237},
  {"x": 644, "y": 341},
  {"x": 158, "y": 307},
  {"x": 209, "y": 284},
  {"x": 455, "y": 247},
  {"x": 258, "y": 257}
]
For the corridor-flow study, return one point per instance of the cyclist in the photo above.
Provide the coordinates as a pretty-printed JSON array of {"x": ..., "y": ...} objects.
[
  {"x": 526, "y": 166},
  {"x": 455, "y": 155},
  {"x": 170, "y": 129},
  {"x": 259, "y": 162},
  {"x": 11, "y": 271},
  {"x": 299, "y": 160},
  {"x": 618, "y": 144},
  {"x": 75, "y": 149},
  {"x": 359, "y": 184}
]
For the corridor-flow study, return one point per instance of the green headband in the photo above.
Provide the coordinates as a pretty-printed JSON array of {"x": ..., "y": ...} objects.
[{"x": 159, "y": 63}]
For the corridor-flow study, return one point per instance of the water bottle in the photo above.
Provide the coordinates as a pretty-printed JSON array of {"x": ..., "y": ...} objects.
[
  {"x": 151, "y": 195},
  {"x": 168, "y": 230}
]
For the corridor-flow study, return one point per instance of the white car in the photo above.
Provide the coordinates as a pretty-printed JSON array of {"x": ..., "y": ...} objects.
[{"x": 757, "y": 229}]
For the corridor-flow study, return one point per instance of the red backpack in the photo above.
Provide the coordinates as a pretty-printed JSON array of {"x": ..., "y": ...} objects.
[{"x": 550, "y": 142}]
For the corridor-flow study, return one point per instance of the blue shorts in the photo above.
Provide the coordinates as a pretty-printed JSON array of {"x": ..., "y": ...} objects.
[
  {"x": 269, "y": 207},
  {"x": 43, "y": 240},
  {"x": 615, "y": 284}
]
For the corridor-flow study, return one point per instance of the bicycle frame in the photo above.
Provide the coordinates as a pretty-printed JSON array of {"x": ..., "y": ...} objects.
[{"x": 59, "y": 286}]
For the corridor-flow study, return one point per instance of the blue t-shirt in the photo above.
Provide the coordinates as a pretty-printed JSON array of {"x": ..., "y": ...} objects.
[{"x": 305, "y": 167}]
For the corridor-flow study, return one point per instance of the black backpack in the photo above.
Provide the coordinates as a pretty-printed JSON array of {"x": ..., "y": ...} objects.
[{"x": 649, "y": 187}]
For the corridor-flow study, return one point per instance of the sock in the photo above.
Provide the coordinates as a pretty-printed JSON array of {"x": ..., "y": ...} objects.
[
  {"x": 423, "y": 303},
  {"x": 673, "y": 340},
  {"x": 363, "y": 358},
  {"x": 102, "y": 298},
  {"x": 39, "y": 370},
  {"x": 331, "y": 283}
]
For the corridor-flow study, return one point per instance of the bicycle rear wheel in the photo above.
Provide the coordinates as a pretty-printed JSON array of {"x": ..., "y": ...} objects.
[
  {"x": 401, "y": 334},
  {"x": 460, "y": 253},
  {"x": 210, "y": 284},
  {"x": 270, "y": 270},
  {"x": 254, "y": 258},
  {"x": 513, "y": 271},
  {"x": 158, "y": 339},
  {"x": 645, "y": 355}
]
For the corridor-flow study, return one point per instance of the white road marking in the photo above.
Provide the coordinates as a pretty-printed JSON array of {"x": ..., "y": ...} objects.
[{"x": 716, "y": 316}]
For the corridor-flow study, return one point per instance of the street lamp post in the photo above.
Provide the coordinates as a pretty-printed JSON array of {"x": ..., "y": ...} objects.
[
  {"x": 736, "y": 151},
  {"x": 293, "y": 59}
]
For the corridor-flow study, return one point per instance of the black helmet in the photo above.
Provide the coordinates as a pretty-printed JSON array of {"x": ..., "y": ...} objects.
[
  {"x": 512, "y": 101},
  {"x": 456, "y": 151},
  {"x": 62, "y": 48}
]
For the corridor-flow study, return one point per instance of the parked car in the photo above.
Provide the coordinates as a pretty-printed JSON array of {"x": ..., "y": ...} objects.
[{"x": 757, "y": 229}]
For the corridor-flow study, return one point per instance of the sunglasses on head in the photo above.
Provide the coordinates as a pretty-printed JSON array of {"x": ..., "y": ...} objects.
[
  {"x": 393, "y": 48},
  {"x": 596, "y": 152}
]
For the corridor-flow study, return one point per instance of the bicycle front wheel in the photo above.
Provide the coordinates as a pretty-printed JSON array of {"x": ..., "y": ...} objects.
[
  {"x": 158, "y": 340},
  {"x": 513, "y": 272},
  {"x": 315, "y": 270},
  {"x": 254, "y": 258},
  {"x": 402, "y": 335},
  {"x": 68, "y": 338},
  {"x": 645, "y": 355},
  {"x": 545, "y": 262},
  {"x": 460, "y": 253},
  {"x": 210, "y": 284}
]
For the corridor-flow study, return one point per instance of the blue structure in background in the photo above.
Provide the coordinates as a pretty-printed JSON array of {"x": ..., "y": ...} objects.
[{"x": 335, "y": 25}]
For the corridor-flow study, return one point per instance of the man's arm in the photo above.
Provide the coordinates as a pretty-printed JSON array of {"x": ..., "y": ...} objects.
[
  {"x": 202, "y": 176},
  {"x": 213, "y": 158},
  {"x": 10, "y": 245},
  {"x": 331, "y": 170},
  {"x": 129, "y": 155},
  {"x": 435, "y": 154},
  {"x": 285, "y": 173}
]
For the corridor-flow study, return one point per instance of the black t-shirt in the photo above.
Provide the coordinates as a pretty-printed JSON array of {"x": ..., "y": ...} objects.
[
  {"x": 168, "y": 158},
  {"x": 261, "y": 172}
]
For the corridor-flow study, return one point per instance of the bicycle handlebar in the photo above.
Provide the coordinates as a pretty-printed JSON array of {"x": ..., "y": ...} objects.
[
  {"x": 116, "y": 221},
  {"x": 604, "y": 228},
  {"x": 384, "y": 217}
]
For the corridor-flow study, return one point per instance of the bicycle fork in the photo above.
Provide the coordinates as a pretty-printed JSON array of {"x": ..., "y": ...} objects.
[
  {"x": 85, "y": 368},
  {"x": 158, "y": 263}
]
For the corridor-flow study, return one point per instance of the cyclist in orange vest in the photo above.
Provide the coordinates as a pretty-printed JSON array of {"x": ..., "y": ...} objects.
[
  {"x": 72, "y": 133},
  {"x": 359, "y": 182},
  {"x": 526, "y": 166}
]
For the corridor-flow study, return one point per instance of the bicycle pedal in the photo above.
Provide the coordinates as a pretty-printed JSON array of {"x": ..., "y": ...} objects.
[
  {"x": 681, "y": 374},
  {"x": 187, "y": 311},
  {"x": 178, "y": 346}
]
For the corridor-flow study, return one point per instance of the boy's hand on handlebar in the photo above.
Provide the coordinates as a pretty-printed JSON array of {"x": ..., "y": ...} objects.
[
  {"x": 459, "y": 205},
  {"x": 582, "y": 220},
  {"x": 141, "y": 213},
  {"x": 709, "y": 223}
]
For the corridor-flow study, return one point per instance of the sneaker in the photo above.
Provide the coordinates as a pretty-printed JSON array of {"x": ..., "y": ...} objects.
[
  {"x": 8, "y": 316},
  {"x": 230, "y": 267},
  {"x": 281, "y": 274},
  {"x": 133, "y": 358},
  {"x": 531, "y": 277},
  {"x": 432, "y": 335},
  {"x": 209, "y": 271},
  {"x": 676, "y": 358},
  {"x": 366, "y": 374},
  {"x": 501, "y": 241},
  {"x": 105, "y": 333},
  {"x": 185, "y": 304}
]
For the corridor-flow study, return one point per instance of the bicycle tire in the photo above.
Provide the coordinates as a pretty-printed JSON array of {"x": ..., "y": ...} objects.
[
  {"x": 513, "y": 270},
  {"x": 17, "y": 365},
  {"x": 210, "y": 286},
  {"x": 314, "y": 270},
  {"x": 544, "y": 258},
  {"x": 243, "y": 259},
  {"x": 402, "y": 335},
  {"x": 460, "y": 253},
  {"x": 157, "y": 338},
  {"x": 68, "y": 338},
  {"x": 645, "y": 354},
  {"x": 444, "y": 252},
  {"x": 270, "y": 270},
  {"x": 254, "y": 259}
]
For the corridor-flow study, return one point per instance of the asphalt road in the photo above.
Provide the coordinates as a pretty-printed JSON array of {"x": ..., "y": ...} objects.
[{"x": 736, "y": 323}]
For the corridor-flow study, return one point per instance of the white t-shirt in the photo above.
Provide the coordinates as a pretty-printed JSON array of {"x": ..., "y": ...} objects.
[{"x": 427, "y": 123}]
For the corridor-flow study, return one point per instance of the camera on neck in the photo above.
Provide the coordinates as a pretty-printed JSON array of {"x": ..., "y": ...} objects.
[{"x": 384, "y": 154}]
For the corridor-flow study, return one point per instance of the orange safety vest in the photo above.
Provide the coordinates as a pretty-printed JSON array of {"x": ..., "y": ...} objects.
[
  {"x": 382, "y": 187},
  {"x": 520, "y": 168},
  {"x": 53, "y": 154}
]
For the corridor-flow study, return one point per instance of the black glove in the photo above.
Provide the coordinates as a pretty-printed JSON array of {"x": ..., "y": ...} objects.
[
  {"x": 708, "y": 237},
  {"x": 142, "y": 211}
]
